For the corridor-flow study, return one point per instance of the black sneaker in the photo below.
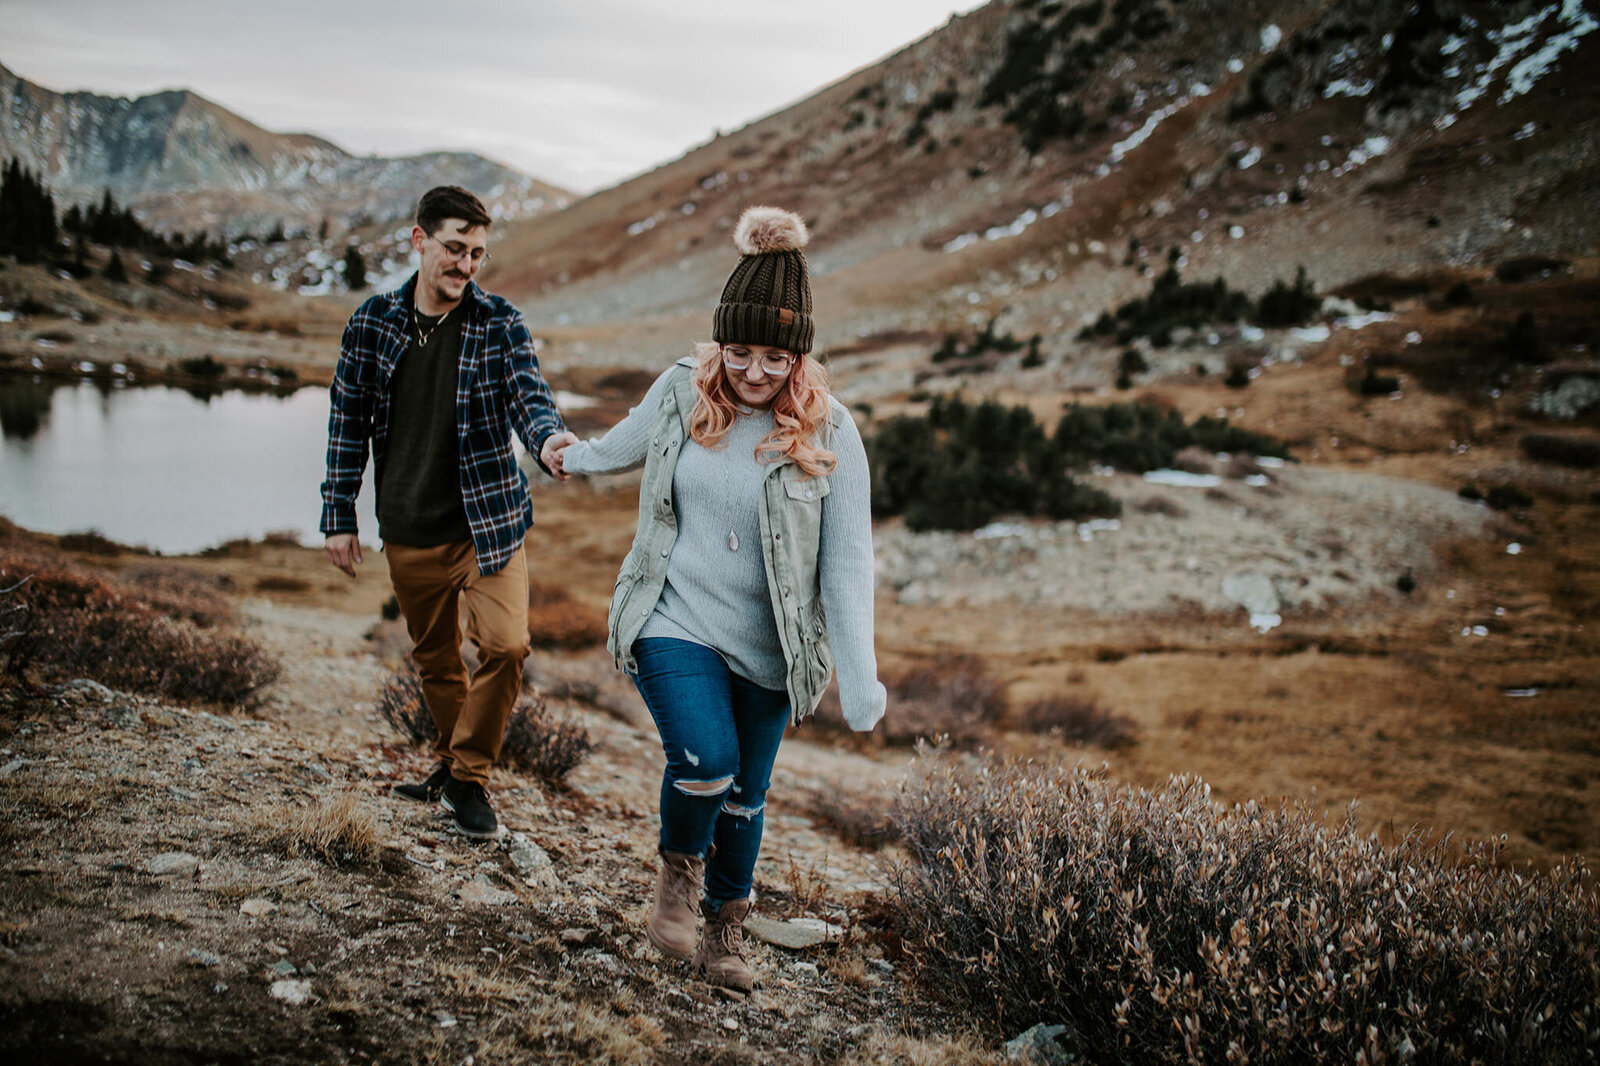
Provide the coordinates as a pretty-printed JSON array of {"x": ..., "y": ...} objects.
[
  {"x": 469, "y": 802},
  {"x": 429, "y": 790}
]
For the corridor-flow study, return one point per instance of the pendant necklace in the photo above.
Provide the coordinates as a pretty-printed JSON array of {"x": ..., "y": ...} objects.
[
  {"x": 422, "y": 338},
  {"x": 733, "y": 541}
]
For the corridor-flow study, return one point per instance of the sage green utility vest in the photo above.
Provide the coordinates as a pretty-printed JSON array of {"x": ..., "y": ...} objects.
[{"x": 791, "y": 532}]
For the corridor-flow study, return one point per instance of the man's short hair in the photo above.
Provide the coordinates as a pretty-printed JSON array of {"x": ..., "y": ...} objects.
[{"x": 450, "y": 201}]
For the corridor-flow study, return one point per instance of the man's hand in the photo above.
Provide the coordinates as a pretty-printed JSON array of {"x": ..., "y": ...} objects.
[
  {"x": 551, "y": 453},
  {"x": 344, "y": 551}
]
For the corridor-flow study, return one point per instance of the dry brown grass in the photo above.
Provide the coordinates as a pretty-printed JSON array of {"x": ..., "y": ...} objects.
[
  {"x": 282, "y": 583},
  {"x": 1079, "y": 721},
  {"x": 340, "y": 831},
  {"x": 882, "y": 1047}
]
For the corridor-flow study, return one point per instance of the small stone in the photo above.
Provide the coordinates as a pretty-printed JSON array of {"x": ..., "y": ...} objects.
[
  {"x": 444, "y": 1018},
  {"x": 203, "y": 958},
  {"x": 1047, "y": 1044},
  {"x": 806, "y": 969},
  {"x": 793, "y": 935},
  {"x": 12, "y": 767},
  {"x": 576, "y": 937},
  {"x": 483, "y": 891},
  {"x": 257, "y": 908},
  {"x": 284, "y": 968},
  {"x": 220, "y": 988},
  {"x": 730, "y": 1024},
  {"x": 294, "y": 993},
  {"x": 534, "y": 864},
  {"x": 171, "y": 864},
  {"x": 90, "y": 688}
]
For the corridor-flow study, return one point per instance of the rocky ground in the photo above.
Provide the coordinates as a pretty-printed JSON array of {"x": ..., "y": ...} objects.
[{"x": 157, "y": 909}]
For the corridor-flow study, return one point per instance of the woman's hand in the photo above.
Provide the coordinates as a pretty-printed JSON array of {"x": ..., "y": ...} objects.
[{"x": 555, "y": 446}]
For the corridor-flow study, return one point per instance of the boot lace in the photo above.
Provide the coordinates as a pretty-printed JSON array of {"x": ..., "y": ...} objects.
[{"x": 728, "y": 937}]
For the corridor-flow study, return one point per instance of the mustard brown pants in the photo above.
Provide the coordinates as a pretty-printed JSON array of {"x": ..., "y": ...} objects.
[{"x": 435, "y": 587}]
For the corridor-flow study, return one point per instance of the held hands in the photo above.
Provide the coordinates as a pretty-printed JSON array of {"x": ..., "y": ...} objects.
[
  {"x": 344, "y": 551},
  {"x": 551, "y": 454}
]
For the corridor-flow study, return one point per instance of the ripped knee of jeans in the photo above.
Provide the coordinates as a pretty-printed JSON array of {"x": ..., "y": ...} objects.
[
  {"x": 714, "y": 787},
  {"x": 746, "y": 813}
]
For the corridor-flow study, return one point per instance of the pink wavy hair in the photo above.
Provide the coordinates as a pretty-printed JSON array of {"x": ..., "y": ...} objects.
[{"x": 798, "y": 411}]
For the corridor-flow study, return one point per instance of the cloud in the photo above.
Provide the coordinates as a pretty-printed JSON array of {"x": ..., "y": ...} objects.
[{"x": 581, "y": 94}]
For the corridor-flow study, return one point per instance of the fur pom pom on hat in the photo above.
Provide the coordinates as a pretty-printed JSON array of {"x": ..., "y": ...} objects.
[
  {"x": 762, "y": 230},
  {"x": 768, "y": 297}
]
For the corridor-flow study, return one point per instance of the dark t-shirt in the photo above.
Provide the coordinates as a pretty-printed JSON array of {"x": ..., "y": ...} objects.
[{"x": 419, "y": 486}]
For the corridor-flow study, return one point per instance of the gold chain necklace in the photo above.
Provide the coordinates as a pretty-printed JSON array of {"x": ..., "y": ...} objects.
[{"x": 422, "y": 338}]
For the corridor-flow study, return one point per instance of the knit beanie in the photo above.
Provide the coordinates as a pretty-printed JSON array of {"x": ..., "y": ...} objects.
[{"x": 768, "y": 298}]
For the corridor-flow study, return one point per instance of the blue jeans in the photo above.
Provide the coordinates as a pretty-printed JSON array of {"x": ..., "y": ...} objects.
[{"x": 720, "y": 734}]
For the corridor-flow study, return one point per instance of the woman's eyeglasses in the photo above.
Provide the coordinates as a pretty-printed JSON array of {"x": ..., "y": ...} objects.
[{"x": 773, "y": 364}]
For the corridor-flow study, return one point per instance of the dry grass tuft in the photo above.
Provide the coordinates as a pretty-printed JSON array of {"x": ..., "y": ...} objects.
[
  {"x": 340, "y": 831},
  {"x": 881, "y": 1047},
  {"x": 1167, "y": 929}
]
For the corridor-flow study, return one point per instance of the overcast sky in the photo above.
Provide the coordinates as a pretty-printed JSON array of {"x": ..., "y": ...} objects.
[{"x": 582, "y": 93}]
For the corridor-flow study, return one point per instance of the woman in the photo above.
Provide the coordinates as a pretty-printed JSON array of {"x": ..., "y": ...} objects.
[{"x": 751, "y": 569}]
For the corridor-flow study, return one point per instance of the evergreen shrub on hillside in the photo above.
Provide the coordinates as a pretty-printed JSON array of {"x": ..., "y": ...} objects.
[
  {"x": 1163, "y": 928},
  {"x": 963, "y": 464},
  {"x": 1580, "y": 452}
]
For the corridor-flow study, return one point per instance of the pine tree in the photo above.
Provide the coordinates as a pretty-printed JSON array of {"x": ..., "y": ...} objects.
[
  {"x": 355, "y": 269},
  {"x": 114, "y": 270}
]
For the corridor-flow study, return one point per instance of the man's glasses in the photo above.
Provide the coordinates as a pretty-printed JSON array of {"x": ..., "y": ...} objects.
[
  {"x": 773, "y": 364},
  {"x": 458, "y": 251}
]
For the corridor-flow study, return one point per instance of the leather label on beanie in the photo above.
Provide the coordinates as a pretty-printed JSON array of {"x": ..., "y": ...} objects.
[{"x": 785, "y": 316}]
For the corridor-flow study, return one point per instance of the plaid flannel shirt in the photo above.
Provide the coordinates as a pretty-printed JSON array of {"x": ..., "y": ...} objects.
[{"x": 498, "y": 389}]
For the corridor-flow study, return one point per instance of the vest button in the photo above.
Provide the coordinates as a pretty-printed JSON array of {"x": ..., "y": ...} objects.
[
  {"x": 777, "y": 536},
  {"x": 665, "y": 552},
  {"x": 809, "y": 494}
]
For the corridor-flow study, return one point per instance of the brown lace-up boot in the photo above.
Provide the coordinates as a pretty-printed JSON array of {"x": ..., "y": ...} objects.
[
  {"x": 721, "y": 951},
  {"x": 671, "y": 925}
]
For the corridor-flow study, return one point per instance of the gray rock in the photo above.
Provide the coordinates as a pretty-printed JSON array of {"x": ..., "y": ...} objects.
[
  {"x": 576, "y": 937},
  {"x": 534, "y": 864},
  {"x": 203, "y": 958},
  {"x": 284, "y": 968},
  {"x": 1568, "y": 400},
  {"x": 171, "y": 864},
  {"x": 483, "y": 891},
  {"x": 1253, "y": 591},
  {"x": 793, "y": 935},
  {"x": 294, "y": 993},
  {"x": 12, "y": 767},
  {"x": 1047, "y": 1044},
  {"x": 90, "y": 688},
  {"x": 124, "y": 717}
]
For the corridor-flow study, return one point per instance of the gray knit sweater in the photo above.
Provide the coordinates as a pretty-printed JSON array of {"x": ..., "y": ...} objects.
[{"x": 717, "y": 594}]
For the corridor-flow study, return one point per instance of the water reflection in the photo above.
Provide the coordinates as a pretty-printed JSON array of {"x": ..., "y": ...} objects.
[
  {"x": 24, "y": 407},
  {"x": 162, "y": 467}
]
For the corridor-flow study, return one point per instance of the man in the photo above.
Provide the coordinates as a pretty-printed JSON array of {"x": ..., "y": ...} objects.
[{"x": 436, "y": 375}]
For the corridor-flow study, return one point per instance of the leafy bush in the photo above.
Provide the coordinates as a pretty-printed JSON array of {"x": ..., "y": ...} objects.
[
  {"x": 1164, "y": 928},
  {"x": 1580, "y": 452},
  {"x": 203, "y": 367},
  {"x": 1079, "y": 721},
  {"x": 1373, "y": 383},
  {"x": 1172, "y": 303},
  {"x": 1521, "y": 341},
  {"x": 952, "y": 698},
  {"x": 543, "y": 744},
  {"x": 1238, "y": 376},
  {"x": 1283, "y": 305},
  {"x": 536, "y": 741},
  {"x": 1507, "y": 498},
  {"x": 402, "y": 703},
  {"x": 81, "y": 625},
  {"x": 859, "y": 819}
]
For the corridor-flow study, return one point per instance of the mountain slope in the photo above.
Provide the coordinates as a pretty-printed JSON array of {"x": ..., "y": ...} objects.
[
  {"x": 187, "y": 163},
  {"x": 1012, "y": 161}
]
